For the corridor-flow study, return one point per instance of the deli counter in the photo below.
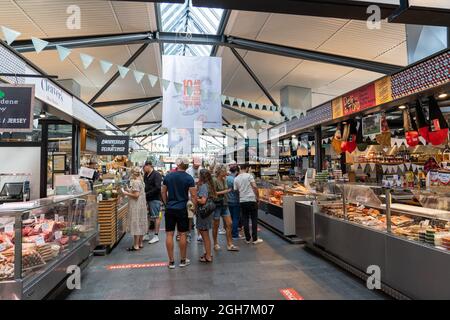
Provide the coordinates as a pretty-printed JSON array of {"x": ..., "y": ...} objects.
[
  {"x": 368, "y": 227},
  {"x": 40, "y": 239}
]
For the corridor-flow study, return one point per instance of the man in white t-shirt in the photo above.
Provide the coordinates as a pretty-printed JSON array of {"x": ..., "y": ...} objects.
[{"x": 245, "y": 184}]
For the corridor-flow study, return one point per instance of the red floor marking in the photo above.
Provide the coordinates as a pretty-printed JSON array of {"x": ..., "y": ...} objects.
[
  {"x": 136, "y": 265},
  {"x": 291, "y": 294}
]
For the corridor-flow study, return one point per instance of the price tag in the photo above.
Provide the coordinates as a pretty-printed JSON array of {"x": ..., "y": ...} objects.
[
  {"x": 45, "y": 227},
  {"x": 42, "y": 217},
  {"x": 61, "y": 219},
  {"x": 40, "y": 241},
  {"x": 56, "y": 217},
  {"x": 58, "y": 235},
  {"x": 9, "y": 228}
]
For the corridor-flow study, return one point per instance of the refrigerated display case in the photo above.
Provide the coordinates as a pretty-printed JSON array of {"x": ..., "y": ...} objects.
[
  {"x": 40, "y": 239},
  {"x": 367, "y": 227}
]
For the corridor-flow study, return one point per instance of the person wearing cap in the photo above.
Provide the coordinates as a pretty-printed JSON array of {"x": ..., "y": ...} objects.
[
  {"x": 177, "y": 186},
  {"x": 137, "y": 223},
  {"x": 153, "y": 180}
]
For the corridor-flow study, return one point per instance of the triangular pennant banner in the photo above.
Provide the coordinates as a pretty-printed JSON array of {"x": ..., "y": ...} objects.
[
  {"x": 385, "y": 168},
  {"x": 165, "y": 83},
  {"x": 231, "y": 100},
  {"x": 63, "y": 52},
  {"x": 408, "y": 166},
  {"x": 138, "y": 76},
  {"x": 105, "y": 65},
  {"x": 414, "y": 167},
  {"x": 239, "y": 101},
  {"x": 363, "y": 166},
  {"x": 153, "y": 79},
  {"x": 372, "y": 166},
  {"x": 10, "y": 35},
  {"x": 246, "y": 103},
  {"x": 223, "y": 98},
  {"x": 86, "y": 59},
  {"x": 39, "y": 44},
  {"x": 178, "y": 86},
  {"x": 123, "y": 71},
  {"x": 253, "y": 123}
]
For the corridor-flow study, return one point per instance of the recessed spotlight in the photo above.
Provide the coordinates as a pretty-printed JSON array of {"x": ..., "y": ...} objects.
[
  {"x": 442, "y": 96},
  {"x": 293, "y": 136},
  {"x": 402, "y": 107},
  {"x": 42, "y": 114}
]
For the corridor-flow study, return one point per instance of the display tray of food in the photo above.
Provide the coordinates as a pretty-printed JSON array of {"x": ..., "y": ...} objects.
[{"x": 421, "y": 211}]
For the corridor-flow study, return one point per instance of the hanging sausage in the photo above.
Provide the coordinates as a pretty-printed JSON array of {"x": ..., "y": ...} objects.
[
  {"x": 411, "y": 135},
  {"x": 384, "y": 138},
  {"x": 438, "y": 132},
  {"x": 349, "y": 145}
]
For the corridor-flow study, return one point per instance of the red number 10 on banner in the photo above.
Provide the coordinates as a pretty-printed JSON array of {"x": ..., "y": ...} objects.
[{"x": 191, "y": 97}]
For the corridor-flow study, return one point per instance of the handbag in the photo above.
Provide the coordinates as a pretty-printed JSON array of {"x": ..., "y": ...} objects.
[{"x": 205, "y": 210}]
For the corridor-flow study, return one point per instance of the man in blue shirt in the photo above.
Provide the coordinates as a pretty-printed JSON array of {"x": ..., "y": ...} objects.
[
  {"x": 233, "y": 202},
  {"x": 175, "y": 194}
]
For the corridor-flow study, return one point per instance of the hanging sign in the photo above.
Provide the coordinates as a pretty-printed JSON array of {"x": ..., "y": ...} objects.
[
  {"x": 113, "y": 145},
  {"x": 16, "y": 108},
  {"x": 371, "y": 125},
  {"x": 337, "y": 108}
]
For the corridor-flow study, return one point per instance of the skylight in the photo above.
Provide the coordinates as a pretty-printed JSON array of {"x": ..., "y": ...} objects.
[{"x": 185, "y": 18}]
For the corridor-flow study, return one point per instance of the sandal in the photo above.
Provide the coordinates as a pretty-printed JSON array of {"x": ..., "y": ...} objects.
[
  {"x": 204, "y": 260},
  {"x": 132, "y": 249},
  {"x": 233, "y": 248},
  {"x": 216, "y": 247}
]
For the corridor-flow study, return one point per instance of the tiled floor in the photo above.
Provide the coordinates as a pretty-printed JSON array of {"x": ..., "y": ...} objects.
[{"x": 256, "y": 272}]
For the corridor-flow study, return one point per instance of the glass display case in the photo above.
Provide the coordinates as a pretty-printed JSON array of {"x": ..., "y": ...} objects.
[{"x": 39, "y": 239}]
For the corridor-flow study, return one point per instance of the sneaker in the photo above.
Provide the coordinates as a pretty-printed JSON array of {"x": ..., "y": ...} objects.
[
  {"x": 258, "y": 241},
  {"x": 155, "y": 239},
  {"x": 171, "y": 265},
  {"x": 185, "y": 263},
  {"x": 146, "y": 237},
  {"x": 222, "y": 231}
]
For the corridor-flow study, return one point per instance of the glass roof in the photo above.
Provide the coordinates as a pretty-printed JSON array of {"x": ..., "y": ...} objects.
[{"x": 185, "y": 18}]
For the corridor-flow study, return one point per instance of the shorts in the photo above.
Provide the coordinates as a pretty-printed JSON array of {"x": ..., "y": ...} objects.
[
  {"x": 221, "y": 211},
  {"x": 154, "y": 207},
  {"x": 177, "y": 218}
]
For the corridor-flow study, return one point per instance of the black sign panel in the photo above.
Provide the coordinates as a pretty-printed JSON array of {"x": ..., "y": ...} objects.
[
  {"x": 113, "y": 145},
  {"x": 16, "y": 108}
]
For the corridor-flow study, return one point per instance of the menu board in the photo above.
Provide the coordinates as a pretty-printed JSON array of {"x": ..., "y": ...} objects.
[
  {"x": 113, "y": 145},
  {"x": 383, "y": 90},
  {"x": 16, "y": 108}
]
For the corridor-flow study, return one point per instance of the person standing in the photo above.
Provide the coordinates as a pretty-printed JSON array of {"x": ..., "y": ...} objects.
[
  {"x": 153, "y": 180},
  {"x": 222, "y": 211},
  {"x": 137, "y": 223},
  {"x": 194, "y": 172},
  {"x": 175, "y": 194},
  {"x": 233, "y": 202},
  {"x": 205, "y": 190},
  {"x": 245, "y": 184}
]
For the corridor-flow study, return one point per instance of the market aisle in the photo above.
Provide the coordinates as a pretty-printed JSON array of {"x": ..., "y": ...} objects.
[{"x": 256, "y": 272}]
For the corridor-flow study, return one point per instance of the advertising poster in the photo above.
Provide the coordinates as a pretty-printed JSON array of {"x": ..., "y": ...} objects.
[
  {"x": 371, "y": 125},
  {"x": 336, "y": 106},
  {"x": 113, "y": 145},
  {"x": 383, "y": 90},
  {"x": 359, "y": 99},
  {"x": 198, "y": 99},
  {"x": 16, "y": 108}
]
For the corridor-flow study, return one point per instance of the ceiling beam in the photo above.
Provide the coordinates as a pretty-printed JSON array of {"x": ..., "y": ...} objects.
[
  {"x": 269, "y": 48},
  {"x": 142, "y": 140},
  {"x": 117, "y": 74},
  {"x": 225, "y": 106},
  {"x": 129, "y": 109},
  {"x": 146, "y": 123},
  {"x": 141, "y": 116},
  {"x": 221, "y": 30},
  {"x": 125, "y": 101}
]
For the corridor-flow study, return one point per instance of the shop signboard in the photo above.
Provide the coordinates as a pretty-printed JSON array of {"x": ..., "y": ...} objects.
[
  {"x": 359, "y": 99},
  {"x": 383, "y": 90},
  {"x": 113, "y": 145},
  {"x": 336, "y": 106},
  {"x": 193, "y": 93},
  {"x": 16, "y": 108}
]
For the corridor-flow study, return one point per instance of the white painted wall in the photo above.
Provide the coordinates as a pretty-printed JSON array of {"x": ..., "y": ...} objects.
[{"x": 21, "y": 160}]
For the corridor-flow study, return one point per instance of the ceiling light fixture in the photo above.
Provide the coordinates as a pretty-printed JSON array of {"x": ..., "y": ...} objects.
[
  {"x": 402, "y": 107},
  {"x": 442, "y": 96},
  {"x": 42, "y": 114}
]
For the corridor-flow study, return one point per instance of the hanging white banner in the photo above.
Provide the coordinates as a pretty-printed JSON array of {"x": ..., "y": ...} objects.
[
  {"x": 363, "y": 166},
  {"x": 201, "y": 74}
]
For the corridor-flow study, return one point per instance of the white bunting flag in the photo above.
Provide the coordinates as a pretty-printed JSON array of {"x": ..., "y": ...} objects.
[
  {"x": 138, "y": 76},
  {"x": 414, "y": 167},
  {"x": 223, "y": 99},
  {"x": 153, "y": 79},
  {"x": 246, "y": 103},
  {"x": 363, "y": 166},
  {"x": 10, "y": 35},
  {"x": 385, "y": 168},
  {"x": 372, "y": 166},
  {"x": 63, "y": 52},
  {"x": 239, "y": 102},
  {"x": 39, "y": 44},
  {"x": 393, "y": 169},
  {"x": 408, "y": 166},
  {"x": 165, "y": 84},
  {"x": 105, "y": 65},
  {"x": 178, "y": 86},
  {"x": 253, "y": 123},
  {"x": 123, "y": 71},
  {"x": 231, "y": 100},
  {"x": 86, "y": 60}
]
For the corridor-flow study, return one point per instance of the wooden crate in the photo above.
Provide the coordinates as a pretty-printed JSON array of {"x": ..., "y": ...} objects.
[{"x": 107, "y": 222}]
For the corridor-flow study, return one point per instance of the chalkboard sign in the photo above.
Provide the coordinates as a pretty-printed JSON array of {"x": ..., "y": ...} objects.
[
  {"x": 16, "y": 108},
  {"x": 113, "y": 145}
]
